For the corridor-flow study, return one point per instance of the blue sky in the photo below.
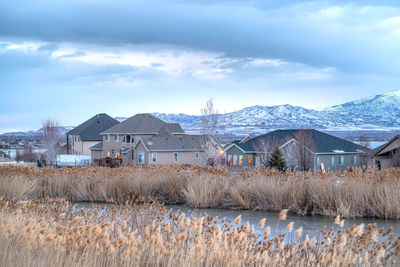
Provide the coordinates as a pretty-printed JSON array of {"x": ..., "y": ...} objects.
[{"x": 69, "y": 60}]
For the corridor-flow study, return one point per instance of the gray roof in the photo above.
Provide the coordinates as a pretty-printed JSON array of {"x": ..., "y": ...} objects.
[
  {"x": 90, "y": 130},
  {"x": 323, "y": 142},
  {"x": 144, "y": 123},
  {"x": 98, "y": 146},
  {"x": 378, "y": 149},
  {"x": 164, "y": 142}
]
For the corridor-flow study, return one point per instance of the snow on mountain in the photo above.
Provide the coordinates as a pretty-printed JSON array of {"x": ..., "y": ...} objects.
[{"x": 380, "y": 112}]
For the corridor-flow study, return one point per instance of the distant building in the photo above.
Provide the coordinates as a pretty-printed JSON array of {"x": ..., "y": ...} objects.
[
  {"x": 323, "y": 151},
  {"x": 387, "y": 155},
  {"x": 87, "y": 134}
]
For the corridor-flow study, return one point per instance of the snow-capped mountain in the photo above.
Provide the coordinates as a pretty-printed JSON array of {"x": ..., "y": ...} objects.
[{"x": 380, "y": 112}]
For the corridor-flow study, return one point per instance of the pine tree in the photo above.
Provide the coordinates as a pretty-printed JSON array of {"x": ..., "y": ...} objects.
[{"x": 276, "y": 160}]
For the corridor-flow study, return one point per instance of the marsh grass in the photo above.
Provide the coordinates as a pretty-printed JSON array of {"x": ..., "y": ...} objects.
[
  {"x": 52, "y": 233},
  {"x": 359, "y": 193}
]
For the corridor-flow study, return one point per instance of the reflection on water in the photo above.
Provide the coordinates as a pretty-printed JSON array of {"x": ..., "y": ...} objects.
[{"x": 311, "y": 224}]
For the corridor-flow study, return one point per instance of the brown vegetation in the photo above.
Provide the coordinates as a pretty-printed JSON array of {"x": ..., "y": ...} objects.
[
  {"x": 53, "y": 233},
  {"x": 360, "y": 193}
]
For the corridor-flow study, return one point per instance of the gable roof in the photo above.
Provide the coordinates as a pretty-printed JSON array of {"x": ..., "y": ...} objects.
[
  {"x": 378, "y": 149},
  {"x": 90, "y": 130},
  {"x": 175, "y": 143},
  {"x": 323, "y": 142},
  {"x": 143, "y": 123},
  {"x": 98, "y": 146}
]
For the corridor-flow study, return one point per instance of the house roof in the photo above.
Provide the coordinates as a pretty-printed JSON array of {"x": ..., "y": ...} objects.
[
  {"x": 98, "y": 146},
  {"x": 164, "y": 142},
  {"x": 323, "y": 143},
  {"x": 378, "y": 149},
  {"x": 90, "y": 130},
  {"x": 143, "y": 123}
]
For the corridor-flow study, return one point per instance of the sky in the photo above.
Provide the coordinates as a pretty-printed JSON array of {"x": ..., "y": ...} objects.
[{"x": 69, "y": 60}]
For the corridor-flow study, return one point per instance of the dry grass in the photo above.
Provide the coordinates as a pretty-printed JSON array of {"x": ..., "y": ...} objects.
[
  {"x": 52, "y": 233},
  {"x": 360, "y": 193}
]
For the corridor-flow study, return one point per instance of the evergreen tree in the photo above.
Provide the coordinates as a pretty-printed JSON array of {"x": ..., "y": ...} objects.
[{"x": 276, "y": 160}]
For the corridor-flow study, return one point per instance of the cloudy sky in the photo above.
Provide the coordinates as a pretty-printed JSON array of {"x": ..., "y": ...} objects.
[{"x": 69, "y": 60}]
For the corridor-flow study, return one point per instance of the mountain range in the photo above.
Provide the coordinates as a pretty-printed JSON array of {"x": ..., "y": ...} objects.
[{"x": 376, "y": 113}]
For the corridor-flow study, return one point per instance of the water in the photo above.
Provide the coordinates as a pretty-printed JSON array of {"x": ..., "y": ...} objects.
[{"x": 310, "y": 224}]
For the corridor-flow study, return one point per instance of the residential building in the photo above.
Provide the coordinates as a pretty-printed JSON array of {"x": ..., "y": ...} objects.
[
  {"x": 145, "y": 139},
  {"x": 387, "y": 155},
  {"x": 87, "y": 134},
  {"x": 301, "y": 147}
]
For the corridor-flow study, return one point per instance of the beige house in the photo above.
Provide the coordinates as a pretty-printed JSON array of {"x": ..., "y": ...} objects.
[
  {"x": 86, "y": 135},
  {"x": 165, "y": 148},
  {"x": 387, "y": 155},
  {"x": 131, "y": 142}
]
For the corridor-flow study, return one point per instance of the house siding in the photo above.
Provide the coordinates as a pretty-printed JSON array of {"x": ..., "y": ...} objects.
[
  {"x": 326, "y": 159},
  {"x": 235, "y": 151}
]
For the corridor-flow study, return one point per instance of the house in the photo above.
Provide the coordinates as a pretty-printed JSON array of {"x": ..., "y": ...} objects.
[
  {"x": 87, "y": 134},
  {"x": 303, "y": 149},
  {"x": 166, "y": 148},
  {"x": 387, "y": 155},
  {"x": 145, "y": 139}
]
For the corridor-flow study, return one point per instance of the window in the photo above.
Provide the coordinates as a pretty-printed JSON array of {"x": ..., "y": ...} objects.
[
  {"x": 124, "y": 138},
  {"x": 340, "y": 160},
  {"x": 333, "y": 160},
  {"x": 258, "y": 161},
  {"x": 141, "y": 157},
  {"x": 116, "y": 138},
  {"x": 318, "y": 161},
  {"x": 235, "y": 157},
  {"x": 354, "y": 159},
  {"x": 108, "y": 154},
  {"x": 154, "y": 157},
  {"x": 128, "y": 138},
  {"x": 132, "y": 139},
  {"x": 241, "y": 160},
  {"x": 250, "y": 160},
  {"x": 197, "y": 154},
  {"x": 175, "y": 156},
  {"x": 107, "y": 137}
]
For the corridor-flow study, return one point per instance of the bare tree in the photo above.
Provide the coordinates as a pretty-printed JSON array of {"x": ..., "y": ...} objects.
[
  {"x": 305, "y": 148},
  {"x": 363, "y": 141},
  {"x": 209, "y": 118},
  {"x": 264, "y": 146},
  {"x": 50, "y": 140},
  {"x": 395, "y": 157},
  {"x": 27, "y": 154}
]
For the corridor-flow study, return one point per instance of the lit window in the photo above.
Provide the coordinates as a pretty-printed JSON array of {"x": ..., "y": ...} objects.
[
  {"x": 108, "y": 154},
  {"x": 154, "y": 157},
  {"x": 116, "y": 138},
  {"x": 258, "y": 161},
  {"x": 250, "y": 160},
  {"x": 107, "y": 137},
  {"x": 141, "y": 157},
  {"x": 175, "y": 156},
  {"x": 241, "y": 160},
  {"x": 235, "y": 160}
]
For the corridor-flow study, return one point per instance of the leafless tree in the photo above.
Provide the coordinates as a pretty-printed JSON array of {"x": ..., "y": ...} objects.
[
  {"x": 305, "y": 148},
  {"x": 264, "y": 147},
  {"x": 50, "y": 140},
  {"x": 395, "y": 157},
  {"x": 27, "y": 154},
  {"x": 289, "y": 150},
  {"x": 209, "y": 118},
  {"x": 363, "y": 141}
]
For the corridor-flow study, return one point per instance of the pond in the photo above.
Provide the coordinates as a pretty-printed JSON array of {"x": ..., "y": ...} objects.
[{"x": 310, "y": 224}]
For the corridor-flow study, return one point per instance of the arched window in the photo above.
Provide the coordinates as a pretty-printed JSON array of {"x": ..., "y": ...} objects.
[
  {"x": 128, "y": 138},
  {"x": 141, "y": 157}
]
